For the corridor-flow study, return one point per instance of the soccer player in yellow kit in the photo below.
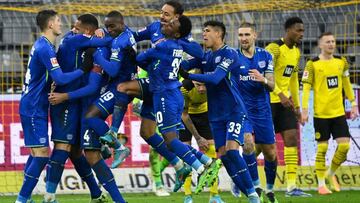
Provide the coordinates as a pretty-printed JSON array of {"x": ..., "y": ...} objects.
[
  {"x": 285, "y": 104},
  {"x": 328, "y": 75}
]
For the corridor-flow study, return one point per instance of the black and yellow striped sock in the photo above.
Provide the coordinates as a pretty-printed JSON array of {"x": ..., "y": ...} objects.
[
  {"x": 291, "y": 165},
  {"x": 320, "y": 165}
]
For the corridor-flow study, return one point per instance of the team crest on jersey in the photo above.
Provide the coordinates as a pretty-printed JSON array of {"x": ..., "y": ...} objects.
[
  {"x": 54, "y": 62},
  {"x": 217, "y": 59},
  {"x": 114, "y": 54},
  {"x": 226, "y": 63},
  {"x": 305, "y": 75},
  {"x": 262, "y": 64}
]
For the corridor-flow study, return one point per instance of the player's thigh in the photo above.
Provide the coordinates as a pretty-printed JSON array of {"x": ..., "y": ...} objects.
[
  {"x": 339, "y": 128},
  {"x": 65, "y": 121},
  {"x": 35, "y": 131},
  {"x": 322, "y": 129},
  {"x": 147, "y": 127},
  {"x": 263, "y": 130},
  {"x": 89, "y": 140},
  {"x": 105, "y": 103},
  {"x": 218, "y": 129},
  {"x": 202, "y": 125},
  {"x": 131, "y": 87},
  {"x": 168, "y": 108},
  {"x": 235, "y": 127}
]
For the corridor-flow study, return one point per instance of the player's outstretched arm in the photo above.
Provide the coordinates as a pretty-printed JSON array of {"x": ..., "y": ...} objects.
[{"x": 191, "y": 47}]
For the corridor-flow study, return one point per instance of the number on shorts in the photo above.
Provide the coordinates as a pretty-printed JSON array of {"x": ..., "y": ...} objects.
[
  {"x": 234, "y": 127},
  {"x": 159, "y": 117},
  {"x": 86, "y": 136},
  {"x": 107, "y": 96}
]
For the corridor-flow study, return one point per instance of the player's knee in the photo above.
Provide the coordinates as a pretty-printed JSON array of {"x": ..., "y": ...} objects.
[
  {"x": 92, "y": 156},
  {"x": 248, "y": 147},
  {"x": 221, "y": 151},
  {"x": 122, "y": 87},
  {"x": 40, "y": 152},
  {"x": 269, "y": 155},
  {"x": 75, "y": 152},
  {"x": 62, "y": 146},
  {"x": 290, "y": 141}
]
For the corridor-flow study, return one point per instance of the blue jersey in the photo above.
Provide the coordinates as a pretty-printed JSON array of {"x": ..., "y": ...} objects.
[
  {"x": 223, "y": 97},
  {"x": 70, "y": 54},
  {"x": 120, "y": 68},
  {"x": 151, "y": 32},
  {"x": 254, "y": 94},
  {"x": 34, "y": 99},
  {"x": 165, "y": 61}
]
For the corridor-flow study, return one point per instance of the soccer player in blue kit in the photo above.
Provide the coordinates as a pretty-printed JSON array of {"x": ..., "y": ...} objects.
[
  {"x": 255, "y": 81},
  {"x": 170, "y": 11},
  {"x": 121, "y": 67},
  {"x": 168, "y": 102},
  {"x": 65, "y": 117},
  {"x": 227, "y": 112},
  {"x": 34, "y": 104}
]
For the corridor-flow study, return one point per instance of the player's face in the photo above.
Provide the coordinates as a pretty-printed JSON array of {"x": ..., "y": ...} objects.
[
  {"x": 167, "y": 14},
  {"x": 327, "y": 44},
  {"x": 200, "y": 87},
  {"x": 171, "y": 28},
  {"x": 55, "y": 25},
  {"x": 247, "y": 37},
  {"x": 78, "y": 28},
  {"x": 210, "y": 35},
  {"x": 115, "y": 26},
  {"x": 296, "y": 32}
]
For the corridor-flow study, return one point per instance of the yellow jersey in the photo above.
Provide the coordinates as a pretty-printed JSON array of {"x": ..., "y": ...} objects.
[
  {"x": 194, "y": 102},
  {"x": 327, "y": 78},
  {"x": 286, "y": 66}
]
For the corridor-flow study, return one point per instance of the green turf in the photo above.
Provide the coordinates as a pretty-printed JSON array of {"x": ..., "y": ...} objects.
[{"x": 342, "y": 197}]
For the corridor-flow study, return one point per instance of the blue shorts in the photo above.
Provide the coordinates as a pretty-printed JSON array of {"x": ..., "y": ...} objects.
[
  {"x": 231, "y": 129},
  {"x": 89, "y": 139},
  {"x": 263, "y": 129},
  {"x": 168, "y": 107},
  {"x": 35, "y": 131},
  {"x": 147, "y": 108},
  {"x": 65, "y": 122},
  {"x": 106, "y": 103}
]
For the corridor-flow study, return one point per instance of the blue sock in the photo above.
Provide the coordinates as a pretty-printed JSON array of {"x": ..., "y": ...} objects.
[
  {"x": 106, "y": 178},
  {"x": 118, "y": 116},
  {"x": 242, "y": 171},
  {"x": 55, "y": 169},
  {"x": 270, "y": 173},
  {"x": 184, "y": 153},
  {"x": 31, "y": 177},
  {"x": 251, "y": 162},
  {"x": 83, "y": 168},
  {"x": 158, "y": 144},
  {"x": 28, "y": 162},
  {"x": 199, "y": 155},
  {"x": 231, "y": 169},
  {"x": 98, "y": 125}
]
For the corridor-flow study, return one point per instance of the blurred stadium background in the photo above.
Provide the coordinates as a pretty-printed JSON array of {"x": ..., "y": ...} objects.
[{"x": 18, "y": 32}]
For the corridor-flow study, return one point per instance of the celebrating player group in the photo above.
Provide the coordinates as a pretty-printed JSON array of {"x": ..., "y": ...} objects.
[{"x": 227, "y": 98}]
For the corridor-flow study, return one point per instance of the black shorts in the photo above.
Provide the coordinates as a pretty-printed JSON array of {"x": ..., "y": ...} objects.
[
  {"x": 283, "y": 118},
  {"x": 337, "y": 127},
  {"x": 201, "y": 122}
]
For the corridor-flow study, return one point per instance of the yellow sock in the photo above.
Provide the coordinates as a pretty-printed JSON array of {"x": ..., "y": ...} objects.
[
  {"x": 339, "y": 157},
  {"x": 291, "y": 162},
  {"x": 187, "y": 185},
  {"x": 320, "y": 166},
  {"x": 211, "y": 152}
]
